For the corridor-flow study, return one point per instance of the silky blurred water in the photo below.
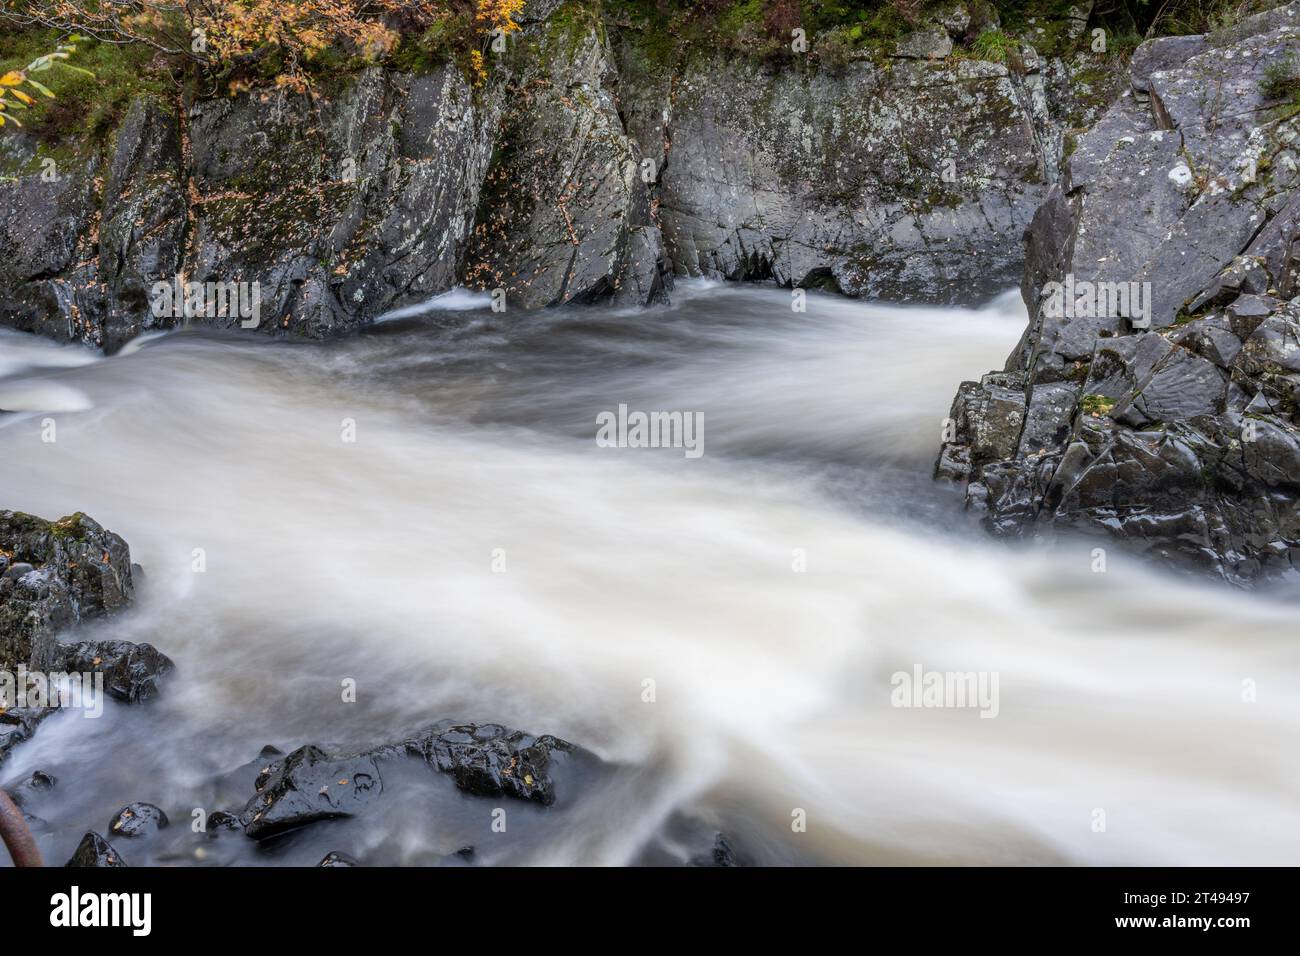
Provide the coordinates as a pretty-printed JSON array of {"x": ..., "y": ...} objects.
[{"x": 474, "y": 553}]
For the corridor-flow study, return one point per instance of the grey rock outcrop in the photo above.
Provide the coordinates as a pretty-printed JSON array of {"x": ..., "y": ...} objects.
[
  {"x": 908, "y": 178},
  {"x": 335, "y": 209},
  {"x": 565, "y": 213},
  {"x": 342, "y": 208},
  {"x": 1170, "y": 426},
  {"x": 338, "y": 207}
]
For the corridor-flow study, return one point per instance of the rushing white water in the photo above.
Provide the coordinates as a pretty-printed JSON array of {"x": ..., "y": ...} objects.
[{"x": 474, "y": 443}]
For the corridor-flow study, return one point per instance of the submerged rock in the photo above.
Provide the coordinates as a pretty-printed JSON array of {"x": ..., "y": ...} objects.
[
  {"x": 41, "y": 781},
  {"x": 18, "y": 724},
  {"x": 221, "y": 821},
  {"x": 335, "y": 858},
  {"x": 721, "y": 855},
  {"x": 95, "y": 851}
]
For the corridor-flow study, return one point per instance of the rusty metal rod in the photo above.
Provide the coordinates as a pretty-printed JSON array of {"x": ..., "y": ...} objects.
[{"x": 16, "y": 836}]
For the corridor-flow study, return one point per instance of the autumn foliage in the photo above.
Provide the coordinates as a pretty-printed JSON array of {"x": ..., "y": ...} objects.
[
  {"x": 241, "y": 42},
  {"x": 13, "y": 96}
]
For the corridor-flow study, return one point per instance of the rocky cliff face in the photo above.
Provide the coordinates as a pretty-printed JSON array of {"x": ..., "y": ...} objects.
[
  {"x": 584, "y": 169},
  {"x": 565, "y": 212},
  {"x": 905, "y": 176},
  {"x": 1168, "y": 423},
  {"x": 337, "y": 208}
]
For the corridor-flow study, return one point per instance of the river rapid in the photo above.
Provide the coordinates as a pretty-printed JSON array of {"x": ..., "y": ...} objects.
[{"x": 423, "y": 509}]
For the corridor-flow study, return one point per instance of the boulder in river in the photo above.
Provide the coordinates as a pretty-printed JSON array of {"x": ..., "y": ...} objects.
[
  {"x": 491, "y": 760},
  {"x": 131, "y": 671},
  {"x": 482, "y": 759},
  {"x": 55, "y": 575},
  {"x": 138, "y": 819},
  {"x": 306, "y": 786},
  {"x": 95, "y": 851},
  {"x": 720, "y": 855}
]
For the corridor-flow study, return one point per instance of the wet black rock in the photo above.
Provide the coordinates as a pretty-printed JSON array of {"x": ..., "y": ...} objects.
[
  {"x": 132, "y": 672},
  {"x": 138, "y": 819},
  {"x": 307, "y": 786},
  {"x": 221, "y": 820},
  {"x": 482, "y": 759},
  {"x": 491, "y": 760},
  {"x": 95, "y": 851},
  {"x": 59, "y": 573},
  {"x": 335, "y": 858}
]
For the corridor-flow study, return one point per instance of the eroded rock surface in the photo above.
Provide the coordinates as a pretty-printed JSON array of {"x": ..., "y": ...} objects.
[{"x": 1174, "y": 431}]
